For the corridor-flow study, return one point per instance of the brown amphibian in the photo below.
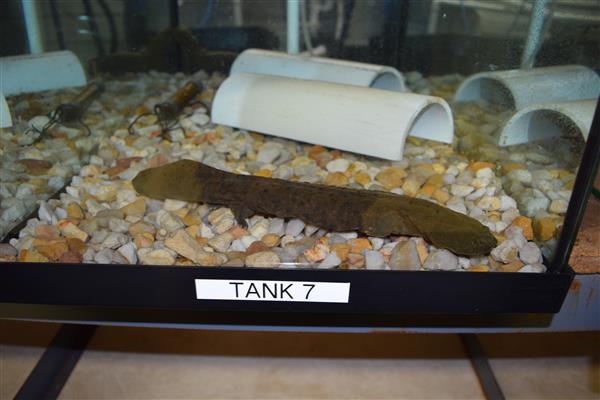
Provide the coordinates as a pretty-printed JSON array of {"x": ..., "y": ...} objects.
[{"x": 338, "y": 209}]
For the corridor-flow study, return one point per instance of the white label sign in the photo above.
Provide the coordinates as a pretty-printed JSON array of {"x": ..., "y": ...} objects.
[{"x": 232, "y": 289}]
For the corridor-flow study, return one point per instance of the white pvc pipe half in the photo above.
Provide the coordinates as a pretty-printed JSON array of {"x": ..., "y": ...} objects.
[
  {"x": 293, "y": 26},
  {"x": 38, "y": 72},
  {"x": 546, "y": 121},
  {"x": 5, "y": 118},
  {"x": 518, "y": 89},
  {"x": 32, "y": 25},
  {"x": 352, "y": 118},
  {"x": 268, "y": 62}
]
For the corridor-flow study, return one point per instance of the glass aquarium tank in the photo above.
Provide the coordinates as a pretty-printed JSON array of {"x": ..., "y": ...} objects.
[{"x": 216, "y": 146}]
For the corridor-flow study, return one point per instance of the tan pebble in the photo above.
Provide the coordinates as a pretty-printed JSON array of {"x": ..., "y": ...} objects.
[
  {"x": 511, "y": 267},
  {"x": 479, "y": 268},
  {"x": 181, "y": 213},
  {"x": 142, "y": 227},
  {"x": 265, "y": 173},
  {"x": 436, "y": 180},
  {"x": 270, "y": 239},
  {"x": 210, "y": 259},
  {"x": 238, "y": 232},
  {"x": 157, "y": 161},
  {"x": 51, "y": 248},
  {"x": 46, "y": 231},
  {"x": 316, "y": 253},
  {"x": 391, "y": 177},
  {"x": 356, "y": 260},
  {"x": 499, "y": 237},
  {"x": 441, "y": 196},
  {"x": 126, "y": 162},
  {"x": 107, "y": 192},
  {"x": 74, "y": 211},
  {"x": 114, "y": 171},
  {"x": 545, "y": 227},
  {"x": 70, "y": 230},
  {"x": 341, "y": 249},
  {"x": 506, "y": 168},
  {"x": 142, "y": 240},
  {"x": 313, "y": 151},
  {"x": 438, "y": 168},
  {"x": 35, "y": 167},
  {"x": 336, "y": 179},
  {"x": 235, "y": 255},
  {"x": 202, "y": 241},
  {"x": 70, "y": 257},
  {"x": 411, "y": 187},
  {"x": 422, "y": 251},
  {"x": 357, "y": 245},
  {"x": 477, "y": 165},
  {"x": 31, "y": 256},
  {"x": 183, "y": 244},
  {"x": 362, "y": 178},
  {"x": 428, "y": 190},
  {"x": 190, "y": 220},
  {"x": 76, "y": 245},
  {"x": 256, "y": 247},
  {"x": 526, "y": 226},
  {"x": 193, "y": 230},
  {"x": 493, "y": 216},
  {"x": 263, "y": 259},
  {"x": 136, "y": 208}
]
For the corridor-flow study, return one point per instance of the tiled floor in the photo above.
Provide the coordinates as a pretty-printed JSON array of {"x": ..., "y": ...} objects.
[{"x": 129, "y": 363}]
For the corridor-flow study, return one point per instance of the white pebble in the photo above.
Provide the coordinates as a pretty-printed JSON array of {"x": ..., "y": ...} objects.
[
  {"x": 294, "y": 227},
  {"x": 331, "y": 261},
  {"x": 534, "y": 268},
  {"x": 373, "y": 259},
  {"x": 530, "y": 253},
  {"x": 128, "y": 250},
  {"x": 338, "y": 165},
  {"x": 461, "y": 190},
  {"x": 174, "y": 205},
  {"x": 442, "y": 260}
]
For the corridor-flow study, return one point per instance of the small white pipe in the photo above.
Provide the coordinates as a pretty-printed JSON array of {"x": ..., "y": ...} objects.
[
  {"x": 351, "y": 118},
  {"x": 32, "y": 25},
  {"x": 268, "y": 62},
  {"x": 5, "y": 118},
  {"x": 293, "y": 26},
  {"x": 238, "y": 13},
  {"x": 534, "y": 36},
  {"x": 521, "y": 88},
  {"x": 546, "y": 121},
  {"x": 45, "y": 71}
]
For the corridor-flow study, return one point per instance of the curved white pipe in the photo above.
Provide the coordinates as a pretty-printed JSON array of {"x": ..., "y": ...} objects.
[
  {"x": 38, "y": 72},
  {"x": 352, "y": 118},
  {"x": 5, "y": 118},
  {"x": 521, "y": 88},
  {"x": 267, "y": 62},
  {"x": 546, "y": 121}
]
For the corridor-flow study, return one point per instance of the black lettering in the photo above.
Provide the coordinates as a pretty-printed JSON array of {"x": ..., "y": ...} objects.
[
  {"x": 252, "y": 290},
  {"x": 283, "y": 290},
  {"x": 236, "y": 287},
  {"x": 266, "y": 289},
  {"x": 312, "y": 286}
]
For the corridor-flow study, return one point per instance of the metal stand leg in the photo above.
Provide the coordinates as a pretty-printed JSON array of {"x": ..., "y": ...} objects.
[
  {"x": 53, "y": 369},
  {"x": 482, "y": 367}
]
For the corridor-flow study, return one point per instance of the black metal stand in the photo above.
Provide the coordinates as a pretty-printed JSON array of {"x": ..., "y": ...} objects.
[
  {"x": 482, "y": 367},
  {"x": 53, "y": 369}
]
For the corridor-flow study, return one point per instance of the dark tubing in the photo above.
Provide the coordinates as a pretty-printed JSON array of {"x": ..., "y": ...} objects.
[
  {"x": 482, "y": 367},
  {"x": 581, "y": 191},
  {"x": 52, "y": 371}
]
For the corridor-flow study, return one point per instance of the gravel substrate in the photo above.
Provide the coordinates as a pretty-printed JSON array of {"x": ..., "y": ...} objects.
[{"x": 101, "y": 219}]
